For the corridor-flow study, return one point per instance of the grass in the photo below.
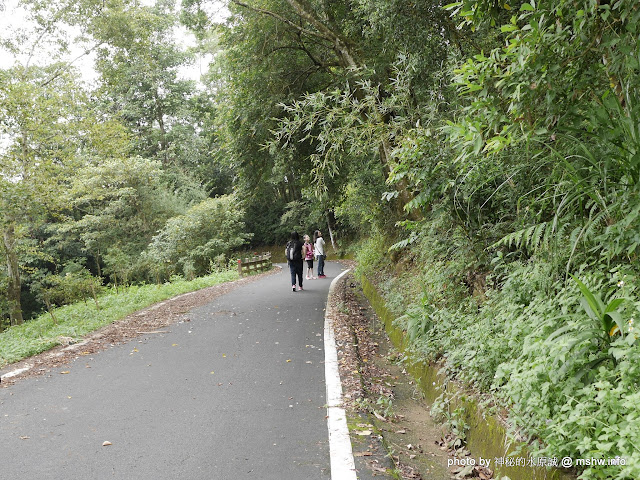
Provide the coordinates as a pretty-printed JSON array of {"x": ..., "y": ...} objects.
[{"x": 80, "y": 319}]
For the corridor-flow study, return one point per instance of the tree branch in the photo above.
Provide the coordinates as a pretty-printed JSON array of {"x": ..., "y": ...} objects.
[
  {"x": 281, "y": 19},
  {"x": 341, "y": 46},
  {"x": 302, "y": 48},
  {"x": 305, "y": 11},
  {"x": 66, "y": 65}
]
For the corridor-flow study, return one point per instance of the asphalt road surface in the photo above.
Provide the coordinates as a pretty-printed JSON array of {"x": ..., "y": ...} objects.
[{"x": 237, "y": 392}]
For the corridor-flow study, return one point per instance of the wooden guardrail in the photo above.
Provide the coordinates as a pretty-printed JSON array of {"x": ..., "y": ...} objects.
[{"x": 255, "y": 263}]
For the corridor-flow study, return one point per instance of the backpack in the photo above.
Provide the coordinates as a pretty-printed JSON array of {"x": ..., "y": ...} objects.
[
  {"x": 309, "y": 251},
  {"x": 290, "y": 251}
]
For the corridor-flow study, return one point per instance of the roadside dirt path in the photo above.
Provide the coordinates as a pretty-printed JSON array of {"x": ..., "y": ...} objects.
[{"x": 392, "y": 432}]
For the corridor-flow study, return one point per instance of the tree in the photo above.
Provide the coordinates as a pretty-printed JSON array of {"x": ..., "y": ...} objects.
[
  {"x": 355, "y": 113},
  {"x": 556, "y": 60},
  {"x": 323, "y": 77},
  {"x": 139, "y": 63},
  {"x": 189, "y": 244},
  {"x": 38, "y": 115},
  {"x": 118, "y": 205}
]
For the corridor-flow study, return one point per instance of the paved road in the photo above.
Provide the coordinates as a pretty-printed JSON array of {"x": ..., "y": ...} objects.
[{"x": 238, "y": 392}]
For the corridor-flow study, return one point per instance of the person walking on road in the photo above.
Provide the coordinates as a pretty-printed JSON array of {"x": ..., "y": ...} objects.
[
  {"x": 319, "y": 252},
  {"x": 293, "y": 252},
  {"x": 307, "y": 252}
]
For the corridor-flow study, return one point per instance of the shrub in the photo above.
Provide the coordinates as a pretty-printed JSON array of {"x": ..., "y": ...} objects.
[{"x": 189, "y": 243}]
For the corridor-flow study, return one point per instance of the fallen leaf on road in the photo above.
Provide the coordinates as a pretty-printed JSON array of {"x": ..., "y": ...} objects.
[
  {"x": 107, "y": 443},
  {"x": 24, "y": 437},
  {"x": 378, "y": 469},
  {"x": 65, "y": 372},
  {"x": 174, "y": 345},
  {"x": 362, "y": 454},
  {"x": 288, "y": 360}
]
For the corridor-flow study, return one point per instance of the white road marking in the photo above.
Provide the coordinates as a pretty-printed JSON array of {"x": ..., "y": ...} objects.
[
  {"x": 17, "y": 371},
  {"x": 342, "y": 462}
]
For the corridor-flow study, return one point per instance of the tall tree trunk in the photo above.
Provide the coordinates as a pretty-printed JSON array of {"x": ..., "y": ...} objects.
[
  {"x": 97, "y": 257},
  {"x": 163, "y": 132},
  {"x": 293, "y": 187},
  {"x": 13, "y": 272},
  {"x": 331, "y": 236}
]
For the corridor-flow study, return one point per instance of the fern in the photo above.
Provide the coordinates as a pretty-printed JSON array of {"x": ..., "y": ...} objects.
[{"x": 531, "y": 238}]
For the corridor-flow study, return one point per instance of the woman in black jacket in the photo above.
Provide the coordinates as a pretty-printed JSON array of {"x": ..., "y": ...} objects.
[{"x": 294, "y": 259}]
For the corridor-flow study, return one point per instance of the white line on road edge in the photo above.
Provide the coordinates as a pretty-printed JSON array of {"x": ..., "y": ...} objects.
[
  {"x": 342, "y": 463},
  {"x": 18, "y": 371}
]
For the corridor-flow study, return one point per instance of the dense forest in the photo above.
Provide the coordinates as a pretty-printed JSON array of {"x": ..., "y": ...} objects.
[{"x": 481, "y": 159}]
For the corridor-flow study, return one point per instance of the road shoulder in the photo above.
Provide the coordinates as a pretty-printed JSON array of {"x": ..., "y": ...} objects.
[{"x": 392, "y": 433}]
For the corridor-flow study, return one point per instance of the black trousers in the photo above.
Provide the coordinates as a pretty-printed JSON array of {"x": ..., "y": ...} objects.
[{"x": 295, "y": 267}]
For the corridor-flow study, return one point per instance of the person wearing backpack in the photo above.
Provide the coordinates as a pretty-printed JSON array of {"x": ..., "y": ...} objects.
[
  {"x": 307, "y": 252},
  {"x": 293, "y": 252}
]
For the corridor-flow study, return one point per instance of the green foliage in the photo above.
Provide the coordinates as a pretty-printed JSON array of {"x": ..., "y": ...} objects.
[
  {"x": 139, "y": 60},
  {"x": 541, "y": 345},
  {"x": 119, "y": 203},
  {"x": 549, "y": 60},
  {"x": 68, "y": 287},
  {"x": 119, "y": 266},
  {"x": 523, "y": 172},
  {"x": 42, "y": 114},
  {"x": 598, "y": 421},
  {"x": 92, "y": 175},
  {"x": 576, "y": 412},
  {"x": 383, "y": 406},
  {"x": 479, "y": 165},
  {"x": 370, "y": 253},
  {"x": 190, "y": 242}
]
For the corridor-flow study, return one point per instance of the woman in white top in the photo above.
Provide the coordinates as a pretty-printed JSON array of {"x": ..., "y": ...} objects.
[{"x": 319, "y": 252}]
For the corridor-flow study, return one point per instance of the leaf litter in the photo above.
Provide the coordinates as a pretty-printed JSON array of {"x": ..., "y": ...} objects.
[{"x": 374, "y": 385}]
